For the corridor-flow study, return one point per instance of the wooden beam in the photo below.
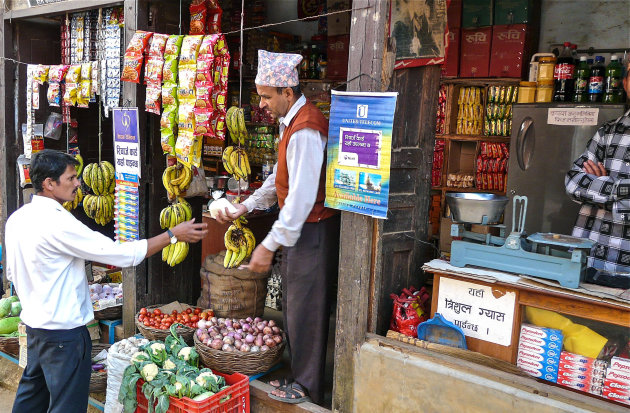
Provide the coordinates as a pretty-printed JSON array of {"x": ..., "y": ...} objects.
[
  {"x": 260, "y": 402},
  {"x": 59, "y": 8},
  {"x": 358, "y": 252}
]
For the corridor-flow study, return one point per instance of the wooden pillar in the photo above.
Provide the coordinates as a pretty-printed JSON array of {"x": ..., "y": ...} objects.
[{"x": 378, "y": 257}]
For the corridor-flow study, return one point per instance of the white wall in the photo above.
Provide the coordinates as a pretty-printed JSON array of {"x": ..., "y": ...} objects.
[{"x": 283, "y": 10}]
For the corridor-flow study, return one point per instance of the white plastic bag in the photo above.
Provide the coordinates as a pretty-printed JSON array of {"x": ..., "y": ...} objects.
[
  {"x": 117, "y": 361},
  {"x": 198, "y": 186}
]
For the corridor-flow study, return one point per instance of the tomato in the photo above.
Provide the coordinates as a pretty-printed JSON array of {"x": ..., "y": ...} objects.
[
  {"x": 157, "y": 311},
  {"x": 143, "y": 310},
  {"x": 146, "y": 323},
  {"x": 186, "y": 318},
  {"x": 174, "y": 312},
  {"x": 189, "y": 310},
  {"x": 194, "y": 318},
  {"x": 141, "y": 317},
  {"x": 197, "y": 311}
]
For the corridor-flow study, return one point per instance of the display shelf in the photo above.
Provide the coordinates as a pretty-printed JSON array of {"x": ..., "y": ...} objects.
[
  {"x": 454, "y": 137},
  {"x": 453, "y": 189},
  {"x": 472, "y": 81}
]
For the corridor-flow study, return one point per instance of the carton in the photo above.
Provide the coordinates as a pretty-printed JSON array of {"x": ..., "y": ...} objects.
[
  {"x": 475, "y": 52},
  {"x": 545, "y": 351},
  {"x": 513, "y": 11},
  {"x": 477, "y": 13},
  {"x": 541, "y": 358},
  {"x": 540, "y": 342},
  {"x": 616, "y": 396},
  {"x": 450, "y": 68},
  {"x": 620, "y": 364},
  {"x": 548, "y": 334},
  {"x": 509, "y": 56},
  {"x": 617, "y": 385}
]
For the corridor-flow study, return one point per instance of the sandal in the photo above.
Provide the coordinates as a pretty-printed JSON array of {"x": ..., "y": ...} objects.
[
  {"x": 281, "y": 382},
  {"x": 293, "y": 393}
]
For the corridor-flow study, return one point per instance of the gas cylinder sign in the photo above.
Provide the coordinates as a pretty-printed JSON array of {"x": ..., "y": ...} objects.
[
  {"x": 573, "y": 116},
  {"x": 478, "y": 310}
]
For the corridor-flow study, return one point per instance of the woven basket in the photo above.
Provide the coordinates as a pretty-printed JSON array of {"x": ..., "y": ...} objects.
[
  {"x": 10, "y": 345},
  {"x": 109, "y": 313},
  {"x": 151, "y": 333},
  {"x": 98, "y": 379},
  {"x": 244, "y": 363}
]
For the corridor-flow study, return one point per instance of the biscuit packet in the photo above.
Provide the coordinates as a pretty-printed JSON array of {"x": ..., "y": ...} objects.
[
  {"x": 152, "y": 98},
  {"x": 173, "y": 45}
]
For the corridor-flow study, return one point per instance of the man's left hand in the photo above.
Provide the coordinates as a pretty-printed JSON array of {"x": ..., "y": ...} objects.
[{"x": 261, "y": 260}]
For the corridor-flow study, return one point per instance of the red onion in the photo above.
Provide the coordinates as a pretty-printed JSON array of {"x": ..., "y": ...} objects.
[
  {"x": 266, "y": 337},
  {"x": 267, "y": 330},
  {"x": 249, "y": 338},
  {"x": 228, "y": 323},
  {"x": 259, "y": 341},
  {"x": 257, "y": 320},
  {"x": 270, "y": 343},
  {"x": 246, "y": 327},
  {"x": 240, "y": 331},
  {"x": 214, "y": 320},
  {"x": 242, "y": 321},
  {"x": 238, "y": 343},
  {"x": 277, "y": 339},
  {"x": 201, "y": 324},
  {"x": 271, "y": 323},
  {"x": 231, "y": 329},
  {"x": 231, "y": 334},
  {"x": 228, "y": 340},
  {"x": 227, "y": 347},
  {"x": 245, "y": 348},
  {"x": 204, "y": 337},
  {"x": 264, "y": 348},
  {"x": 238, "y": 336},
  {"x": 216, "y": 344},
  {"x": 236, "y": 325},
  {"x": 260, "y": 326},
  {"x": 223, "y": 331},
  {"x": 206, "y": 342},
  {"x": 254, "y": 331},
  {"x": 199, "y": 332},
  {"x": 221, "y": 320},
  {"x": 249, "y": 319}
]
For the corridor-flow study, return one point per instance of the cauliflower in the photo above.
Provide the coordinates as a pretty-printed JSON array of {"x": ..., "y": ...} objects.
[
  {"x": 169, "y": 365},
  {"x": 205, "y": 378},
  {"x": 157, "y": 348},
  {"x": 178, "y": 386},
  {"x": 184, "y": 353},
  {"x": 139, "y": 356},
  {"x": 149, "y": 371}
]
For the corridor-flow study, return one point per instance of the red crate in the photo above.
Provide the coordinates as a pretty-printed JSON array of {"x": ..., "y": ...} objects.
[{"x": 238, "y": 402}]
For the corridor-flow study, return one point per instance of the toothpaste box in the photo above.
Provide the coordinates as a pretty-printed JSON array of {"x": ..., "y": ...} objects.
[
  {"x": 579, "y": 360},
  {"x": 541, "y": 374},
  {"x": 612, "y": 374},
  {"x": 620, "y": 364},
  {"x": 617, "y": 385},
  {"x": 546, "y": 334},
  {"x": 536, "y": 349},
  {"x": 540, "y": 342},
  {"x": 616, "y": 396},
  {"x": 549, "y": 360}
]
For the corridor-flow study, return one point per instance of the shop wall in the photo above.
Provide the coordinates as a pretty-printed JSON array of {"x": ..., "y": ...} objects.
[
  {"x": 283, "y": 10},
  {"x": 601, "y": 24}
]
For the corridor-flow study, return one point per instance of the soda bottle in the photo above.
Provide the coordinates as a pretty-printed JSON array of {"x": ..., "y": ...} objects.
[
  {"x": 596, "y": 80},
  {"x": 563, "y": 75},
  {"x": 313, "y": 62},
  {"x": 574, "y": 55},
  {"x": 612, "y": 88},
  {"x": 304, "y": 64},
  {"x": 582, "y": 75}
]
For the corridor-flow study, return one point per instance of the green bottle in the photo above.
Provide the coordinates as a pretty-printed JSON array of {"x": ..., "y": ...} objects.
[
  {"x": 612, "y": 89},
  {"x": 582, "y": 74}
]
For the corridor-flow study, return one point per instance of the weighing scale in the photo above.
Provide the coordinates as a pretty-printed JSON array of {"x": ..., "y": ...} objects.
[{"x": 552, "y": 256}]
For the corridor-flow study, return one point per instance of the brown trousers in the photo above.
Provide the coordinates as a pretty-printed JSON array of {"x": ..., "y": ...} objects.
[{"x": 308, "y": 270}]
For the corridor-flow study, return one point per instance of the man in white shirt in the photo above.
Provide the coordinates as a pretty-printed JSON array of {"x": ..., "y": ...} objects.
[
  {"x": 305, "y": 228},
  {"x": 46, "y": 248}
]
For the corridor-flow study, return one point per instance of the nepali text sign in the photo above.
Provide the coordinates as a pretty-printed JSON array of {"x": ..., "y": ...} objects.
[
  {"x": 481, "y": 311},
  {"x": 573, "y": 116},
  {"x": 126, "y": 140},
  {"x": 359, "y": 152}
]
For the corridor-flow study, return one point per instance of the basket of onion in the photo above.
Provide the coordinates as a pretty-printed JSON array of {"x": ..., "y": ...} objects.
[{"x": 248, "y": 346}]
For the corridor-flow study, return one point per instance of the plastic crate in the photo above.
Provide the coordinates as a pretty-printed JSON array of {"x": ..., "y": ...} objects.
[{"x": 237, "y": 403}]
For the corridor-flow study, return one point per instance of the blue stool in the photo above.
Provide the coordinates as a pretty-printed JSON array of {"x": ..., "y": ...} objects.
[{"x": 111, "y": 324}]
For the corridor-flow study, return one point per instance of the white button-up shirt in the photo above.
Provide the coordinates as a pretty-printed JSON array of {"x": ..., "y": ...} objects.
[
  {"x": 46, "y": 248},
  {"x": 305, "y": 155}
]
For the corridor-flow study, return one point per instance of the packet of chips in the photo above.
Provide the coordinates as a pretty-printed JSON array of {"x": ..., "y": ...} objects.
[
  {"x": 70, "y": 94},
  {"x": 138, "y": 43},
  {"x": 203, "y": 121},
  {"x": 186, "y": 95},
  {"x": 53, "y": 94},
  {"x": 173, "y": 45},
  {"x": 73, "y": 75},
  {"x": 41, "y": 74},
  {"x": 205, "y": 67},
  {"x": 171, "y": 69},
  {"x": 186, "y": 117},
  {"x": 220, "y": 48},
  {"x": 167, "y": 140},
  {"x": 158, "y": 45},
  {"x": 188, "y": 148},
  {"x": 214, "y": 21},
  {"x": 132, "y": 65},
  {"x": 208, "y": 44},
  {"x": 169, "y": 94},
  {"x": 57, "y": 73},
  {"x": 152, "y": 98},
  {"x": 219, "y": 99},
  {"x": 153, "y": 70},
  {"x": 84, "y": 93},
  {"x": 168, "y": 120},
  {"x": 219, "y": 126},
  {"x": 224, "y": 71},
  {"x": 187, "y": 75},
  {"x": 198, "y": 15},
  {"x": 190, "y": 50},
  {"x": 95, "y": 84},
  {"x": 203, "y": 94}
]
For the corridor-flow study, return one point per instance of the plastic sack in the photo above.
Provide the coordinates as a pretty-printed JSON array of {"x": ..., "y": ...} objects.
[
  {"x": 198, "y": 185},
  {"x": 116, "y": 365},
  {"x": 410, "y": 309},
  {"x": 578, "y": 339},
  {"x": 53, "y": 126}
]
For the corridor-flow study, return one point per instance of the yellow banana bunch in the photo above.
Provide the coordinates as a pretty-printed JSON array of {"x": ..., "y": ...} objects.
[
  {"x": 174, "y": 254},
  {"x": 235, "y": 120},
  {"x": 99, "y": 207},
  {"x": 170, "y": 216},
  {"x": 100, "y": 177},
  {"x": 236, "y": 162},
  {"x": 240, "y": 242},
  {"x": 176, "y": 179},
  {"x": 70, "y": 205},
  {"x": 79, "y": 167}
]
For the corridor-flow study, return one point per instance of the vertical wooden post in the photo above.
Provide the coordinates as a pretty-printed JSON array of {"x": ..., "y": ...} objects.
[{"x": 358, "y": 248}]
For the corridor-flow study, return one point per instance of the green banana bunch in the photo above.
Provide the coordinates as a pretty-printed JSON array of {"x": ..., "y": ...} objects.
[
  {"x": 79, "y": 167},
  {"x": 100, "y": 177},
  {"x": 235, "y": 120},
  {"x": 240, "y": 242},
  {"x": 70, "y": 205},
  {"x": 99, "y": 207},
  {"x": 176, "y": 179},
  {"x": 236, "y": 162}
]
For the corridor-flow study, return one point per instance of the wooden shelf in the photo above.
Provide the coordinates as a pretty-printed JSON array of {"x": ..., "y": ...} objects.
[
  {"x": 474, "y": 81},
  {"x": 452, "y": 189},
  {"x": 505, "y": 139}
]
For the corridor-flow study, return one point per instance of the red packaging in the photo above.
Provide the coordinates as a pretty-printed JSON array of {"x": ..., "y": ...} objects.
[
  {"x": 219, "y": 99},
  {"x": 203, "y": 120},
  {"x": 620, "y": 364},
  {"x": 479, "y": 181},
  {"x": 138, "y": 42},
  {"x": 152, "y": 99},
  {"x": 454, "y": 14},
  {"x": 617, "y": 385},
  {"x": 204, "y": 95},
  {"x": 450, "y": 68},
  {"x": 219, "y": 126},
  {"x": 618, "y": 375},
  {"x": 616, "y": 396},
  {"x": 153, "y": 70},
  {"x": 158, "y": 44},
  {"x": 337, "y": 54},
  {"x": 214, "y": 21},
  {"x": 509, "y": 56},
  {"x": 475, "y": 52},
  {"x": 132, "y": 65},
  {"x": 198, "y": 14}
]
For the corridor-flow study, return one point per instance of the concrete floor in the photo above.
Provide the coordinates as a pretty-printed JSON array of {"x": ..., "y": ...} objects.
[{"x": 6, "y": 400}]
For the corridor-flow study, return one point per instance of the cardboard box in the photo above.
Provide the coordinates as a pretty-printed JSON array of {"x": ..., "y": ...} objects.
[
  {"x": 118, "y": 332},
  {"x": 454, "y": 14},
  {"x": 337, "y": 55},
  {"x": 445, "y": 234},
  {"x": 620, "y": 364},
  {"x": 450, "y": 68},
  {"x": 338, "y": 23},
  {"x": 477, "y": 13},
  {"x": 461, "y": 157},
  {"x": 513, "y": 11},
  {"x": 509, "y": 55},
  {"x": 475, "y": 52}
]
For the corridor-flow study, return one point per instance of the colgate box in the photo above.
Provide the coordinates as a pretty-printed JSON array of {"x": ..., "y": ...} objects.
[
  {"x": 616, "y": 396},
  {"x": 450, "y": 68},
  {"x": 475, "y": 52},
  {"x": 510, "y": 50},
  {"x": 583, "y": 361}
]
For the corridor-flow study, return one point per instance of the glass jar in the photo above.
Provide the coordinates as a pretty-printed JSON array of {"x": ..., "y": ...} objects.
[
  {"x": 526, "y": 92},
  {"x": 546, "y": 65},
  {"x": 544, "y": 91}
]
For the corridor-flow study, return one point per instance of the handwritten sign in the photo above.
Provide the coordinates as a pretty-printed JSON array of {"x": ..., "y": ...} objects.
[
  {"x": 573, "y": 116},
  {"x": 477, "y": 311},
  {"x": 126, "y": 141}
]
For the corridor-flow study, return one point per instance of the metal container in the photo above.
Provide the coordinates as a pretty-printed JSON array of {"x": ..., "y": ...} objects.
[{"x": 476, "y": 208}]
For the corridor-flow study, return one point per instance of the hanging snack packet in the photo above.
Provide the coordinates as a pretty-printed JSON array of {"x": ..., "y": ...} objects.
[
  {"x": 57, "y": 73},
  {"x": 86, "y": 71},
  {"x": 158, "y": 45},
  {"x": 169, "y": 94},
  {"x": 41, "y": 74},
  {"x": 219, "y": 99},
  {"x": 189, "y": 148},
  {"x": 132, "y": 65},
  {"x": 198, "y": 14},
  {"x": 168, "y": 120},
  {"x": 208, "y": 44},
  {"x": 186, "y": 95},
  {"x": 152, "y": 99},
  {"x": 173, "y": 45},
  {"x": 83, "y": 94},
  {"x": 70, "y": 94},
  {"x": 220, "y": 48},
  {"x": 224, "y": 71},
  {"x": 171, "y": 69},
  {"x": 214, "y": 21},
  {"x": 187, "y": 76},
  {"x": 167, "y": 139},
  {"x": 219, "y": 126},
  {"x": 185, "y": 118},
  {"x": 73, "y": 75},
  {"x": 95, "y": 84},
  {"x": 205, "y": 67},
  {"x": 190, "y": 50},
  {"x": 138, "y": 43},
  {"x": 203, "y": 121},
  {"x": 153, "y": 70},
  {"x": 204, "y": 94},
  {"x": 54, "y": 94}
]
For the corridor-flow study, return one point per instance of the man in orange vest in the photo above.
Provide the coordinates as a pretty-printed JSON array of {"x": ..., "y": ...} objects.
[{"x": 307, "y": 231}]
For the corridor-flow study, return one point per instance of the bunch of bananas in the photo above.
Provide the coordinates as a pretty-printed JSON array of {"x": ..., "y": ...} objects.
[
  {"x": 235, "y": 162},
  {"x": 170, "y": 216},
  {"x": 99, "y": 207},
  {"x": 235, "y": 120},
  {"x": 100, "y": 177},
  {"x": 79, "y": 167},
  {"x": 78, "y": 197},
  {"x": 176, "y": 179},
  {"x": 240, "y": 242}
]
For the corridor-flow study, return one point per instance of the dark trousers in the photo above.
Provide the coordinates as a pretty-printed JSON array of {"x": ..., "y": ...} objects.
[
  {"x": 57, "y": 374},
  {"x": 308, "y": 270}
]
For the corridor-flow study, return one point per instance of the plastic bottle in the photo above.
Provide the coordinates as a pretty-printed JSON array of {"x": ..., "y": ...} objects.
[
  {"x": 596, "y": 80},
  {"x": 563, "y": 75},
  {"x": 612, "y": 90},
  {"x": 582, "y": 75},
  {"x": 574, "y": 55},
  {"x": 313, "y": 62},
  {"x": 304, "y": 64}
]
